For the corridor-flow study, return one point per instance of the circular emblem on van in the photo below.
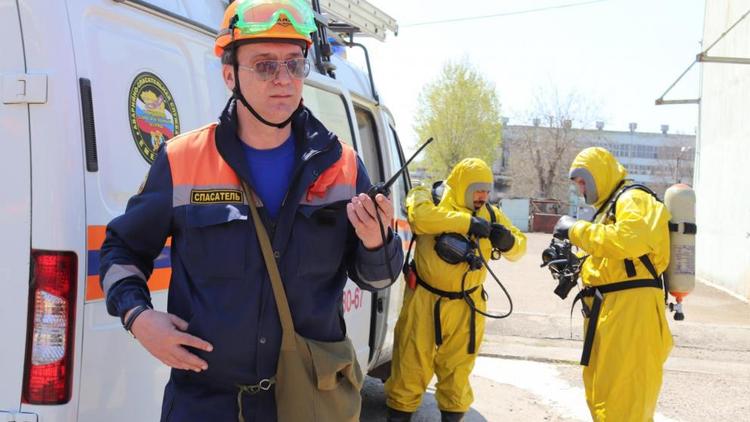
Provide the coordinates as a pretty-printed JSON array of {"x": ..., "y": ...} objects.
[{"x": 153, "y": 114}]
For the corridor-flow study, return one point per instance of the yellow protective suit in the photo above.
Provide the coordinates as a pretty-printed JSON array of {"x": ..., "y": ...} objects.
[
  {"x": 416, "y": 357},
  {"x": 632, "y": 338}
]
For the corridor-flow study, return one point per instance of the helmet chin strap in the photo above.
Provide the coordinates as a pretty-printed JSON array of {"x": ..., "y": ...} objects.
[
  {"x": 237, "y": 91},
  {"x": 238, "y": 95}
]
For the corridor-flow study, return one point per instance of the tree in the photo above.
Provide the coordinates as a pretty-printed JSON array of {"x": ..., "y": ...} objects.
[
  {"x": 461, "y": 111},
  {"x": 542, "y": 153}
]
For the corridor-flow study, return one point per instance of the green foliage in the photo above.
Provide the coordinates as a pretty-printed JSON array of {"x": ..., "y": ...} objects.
[{"x": 461, "y": 111}]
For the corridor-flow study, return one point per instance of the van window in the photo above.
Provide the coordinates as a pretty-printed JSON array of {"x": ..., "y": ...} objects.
[
  {"x": 205, "y": 14},
  {"x": 368, "y": 136},
  {"x": 331, "y": 110}
]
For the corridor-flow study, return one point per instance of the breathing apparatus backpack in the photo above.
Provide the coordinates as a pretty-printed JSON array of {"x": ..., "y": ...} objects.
[{"x": 679, "y": 277}]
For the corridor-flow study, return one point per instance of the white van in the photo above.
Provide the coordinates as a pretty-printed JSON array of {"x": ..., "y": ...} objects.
[{"x": 89, "y": 89}]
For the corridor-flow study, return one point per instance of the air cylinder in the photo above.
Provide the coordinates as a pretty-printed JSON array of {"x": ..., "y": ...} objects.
[{"x": 680, "y": 200}]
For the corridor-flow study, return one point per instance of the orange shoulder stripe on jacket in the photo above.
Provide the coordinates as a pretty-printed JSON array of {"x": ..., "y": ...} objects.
[
  {"x": 337, "y": 182},
  {"x": 194, "y": 160}
]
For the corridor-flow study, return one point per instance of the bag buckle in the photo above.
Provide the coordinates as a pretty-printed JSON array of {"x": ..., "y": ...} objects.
[{"x": 264, "y": 385}]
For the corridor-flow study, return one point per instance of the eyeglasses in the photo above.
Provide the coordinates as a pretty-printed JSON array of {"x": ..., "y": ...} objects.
[{"x": 297, "y": 68}]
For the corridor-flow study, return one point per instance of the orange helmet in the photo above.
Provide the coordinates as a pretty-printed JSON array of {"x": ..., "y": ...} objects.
[{"x": 266, "y": 19}]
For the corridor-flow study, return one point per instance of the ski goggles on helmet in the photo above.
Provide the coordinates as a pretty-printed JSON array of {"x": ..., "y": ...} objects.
[
  {"x": 291, "y": 20},
  {"x": 298, "y": 68},
  {"x": 258, "y": 16}
]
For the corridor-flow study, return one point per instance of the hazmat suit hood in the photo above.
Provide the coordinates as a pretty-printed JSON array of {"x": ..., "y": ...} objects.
[
  {"x": 600, "y": 170},
  {"x": 468, "y": 176}
]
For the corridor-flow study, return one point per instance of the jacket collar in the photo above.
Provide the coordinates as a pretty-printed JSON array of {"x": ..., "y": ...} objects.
[
  {"x": 311, "y": 137},
  {"x": 316, "y": 149}
]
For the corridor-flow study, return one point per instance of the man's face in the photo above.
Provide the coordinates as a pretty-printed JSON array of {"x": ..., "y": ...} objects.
[
  {"x": 274, "y": 99},
  {"x": 480, "y": 198},
  {"x": 580, "y": 185}
]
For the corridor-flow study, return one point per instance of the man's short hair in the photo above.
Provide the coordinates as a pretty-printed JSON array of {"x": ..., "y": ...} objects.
[{"x": 227, "y": 57}]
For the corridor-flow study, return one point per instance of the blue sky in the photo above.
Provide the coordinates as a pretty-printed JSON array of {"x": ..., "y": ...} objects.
[{"x": 618, "y": 54}]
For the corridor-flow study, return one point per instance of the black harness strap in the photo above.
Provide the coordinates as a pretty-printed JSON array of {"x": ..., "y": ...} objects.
[
  {"x": 629, "y": 265},
  {"x": 410, "y": 266},
  {"x": 629, "y": 268},
  {"x": 687, "y": 228},
  {"x": 608, "y": 200},
  {"x": 598, "y": 293},
  {"x": 492, "y": 213},
  {"x": 649, "y": 266},
  {"x": 495, "y": 253},
  {"x": 651, "y": 269},
  {"x": 436, "y": 312}
]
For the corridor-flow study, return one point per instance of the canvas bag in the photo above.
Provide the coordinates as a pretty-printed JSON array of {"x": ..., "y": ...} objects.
[{"x": 315, "y": 380}]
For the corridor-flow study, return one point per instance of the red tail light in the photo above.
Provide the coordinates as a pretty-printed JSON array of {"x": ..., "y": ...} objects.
[{"x": 49, "y": 343}]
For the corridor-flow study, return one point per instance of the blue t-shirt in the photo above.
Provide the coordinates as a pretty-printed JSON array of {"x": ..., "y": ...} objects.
[{"x": 271, "y": 172}]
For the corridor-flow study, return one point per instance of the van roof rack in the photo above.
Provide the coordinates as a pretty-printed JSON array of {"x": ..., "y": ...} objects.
[{"x": 357, "y": 17}]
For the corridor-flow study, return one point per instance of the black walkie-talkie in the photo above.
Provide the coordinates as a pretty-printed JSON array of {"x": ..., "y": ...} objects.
[{"x": 384, "y": 188}]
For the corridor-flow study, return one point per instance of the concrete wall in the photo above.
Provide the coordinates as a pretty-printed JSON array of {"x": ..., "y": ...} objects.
[
  {"x": 517, "y": 209},
  {"x": 722, "y": 178}
]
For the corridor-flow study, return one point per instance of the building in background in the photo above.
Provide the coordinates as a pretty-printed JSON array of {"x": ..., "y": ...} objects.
[
  {"x": 656, "y": 159},
  {"x": 723, "y": 149}
]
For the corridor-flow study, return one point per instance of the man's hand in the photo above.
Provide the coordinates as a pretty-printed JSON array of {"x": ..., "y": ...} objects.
[
  {"x": 501, "y": 237},
  {"x": 563, "y": 227},
  {"x": 361, "y": 213},
  {"x": 479, "y": 227},
  {"x": 164, "y": 336}
]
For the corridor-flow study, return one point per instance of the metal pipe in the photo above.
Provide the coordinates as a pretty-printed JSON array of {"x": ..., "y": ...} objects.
[
  {"x": 702, "y": 57},
  {"x": 661, "y": 101},
  {"x": 369, "y": 69}
]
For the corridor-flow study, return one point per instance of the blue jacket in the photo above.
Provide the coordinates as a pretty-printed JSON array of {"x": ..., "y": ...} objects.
[{"x": 219, "y": 281}]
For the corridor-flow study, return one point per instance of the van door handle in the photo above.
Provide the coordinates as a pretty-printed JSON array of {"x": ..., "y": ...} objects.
[{"x": 24, "y": 88}]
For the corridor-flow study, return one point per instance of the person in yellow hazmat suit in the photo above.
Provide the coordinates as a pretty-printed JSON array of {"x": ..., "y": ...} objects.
[
  {"x": 438, "y": 332},
  {"x": 626, "y": 338}
]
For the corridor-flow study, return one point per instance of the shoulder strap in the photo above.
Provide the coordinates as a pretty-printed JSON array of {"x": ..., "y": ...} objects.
[
  {"x": 282, "y": 305},
  {"x": 407, "y": 263},
  {"x": 491, "y": 211},
  {"x": 608, "y": 201},
  {"x": 646, "y": 261},
  {"x": 630, "y": 187},
  {"x": 629, "y": 266},
  {"x": 610, "y": 205}
]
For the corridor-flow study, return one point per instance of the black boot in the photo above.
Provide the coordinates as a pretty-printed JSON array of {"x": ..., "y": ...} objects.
[
  {"x": 451, "y": 416},
  {"x": 398, "y": 416}
]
